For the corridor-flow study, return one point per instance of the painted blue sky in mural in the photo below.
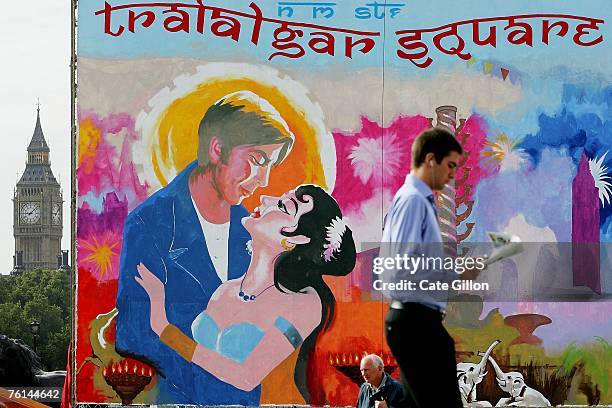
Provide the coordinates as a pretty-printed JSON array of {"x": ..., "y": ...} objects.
[{"x": 583, "y": 124}]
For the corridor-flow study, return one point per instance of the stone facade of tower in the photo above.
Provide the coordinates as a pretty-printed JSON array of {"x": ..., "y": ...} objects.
[{"x": 37, "y": 209}]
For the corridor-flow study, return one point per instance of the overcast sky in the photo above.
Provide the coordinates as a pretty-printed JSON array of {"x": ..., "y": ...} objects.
[{"x": 35, "y": 49}]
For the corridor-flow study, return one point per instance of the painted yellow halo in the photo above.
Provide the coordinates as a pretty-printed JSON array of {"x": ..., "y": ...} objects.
[{"x": 170, "y": 129}]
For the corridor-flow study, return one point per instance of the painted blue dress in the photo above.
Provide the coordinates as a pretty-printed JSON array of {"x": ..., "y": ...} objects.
[{"x": 237, "y": 341}]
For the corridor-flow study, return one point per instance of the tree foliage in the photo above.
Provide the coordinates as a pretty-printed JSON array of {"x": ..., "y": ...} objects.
[{"x": 42, "y": 295}]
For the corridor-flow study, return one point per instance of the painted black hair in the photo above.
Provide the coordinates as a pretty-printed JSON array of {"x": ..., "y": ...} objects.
[{"x": 305, "y": 267}]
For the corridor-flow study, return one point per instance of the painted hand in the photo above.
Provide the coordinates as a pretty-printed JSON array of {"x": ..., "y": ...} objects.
[
  {"x": 151, "y": 283},
  {"x": 156, "y": 292}
]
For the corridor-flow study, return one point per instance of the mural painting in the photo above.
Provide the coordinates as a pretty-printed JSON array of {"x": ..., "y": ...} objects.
[{"x": 235, "y": 163}]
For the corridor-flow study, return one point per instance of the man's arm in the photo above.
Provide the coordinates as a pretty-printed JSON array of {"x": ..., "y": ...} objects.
[
  {"x": 405, "y": 221},
  {"x": 361, "y": 397},
  {"x": 134, "y": 334},
  {"x": 403, "y": 232}
]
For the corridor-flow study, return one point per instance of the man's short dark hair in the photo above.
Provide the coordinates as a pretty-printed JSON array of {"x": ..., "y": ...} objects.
[
  {"x": 438, "y": 141},
  {"x": 242, "y": 118}
]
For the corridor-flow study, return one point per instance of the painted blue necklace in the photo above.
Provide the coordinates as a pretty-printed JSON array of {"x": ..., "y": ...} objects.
[{"x": 245, "y": 296}]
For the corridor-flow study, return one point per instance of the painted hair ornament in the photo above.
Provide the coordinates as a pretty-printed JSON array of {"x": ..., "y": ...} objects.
[{"x": 335, "y": 231}]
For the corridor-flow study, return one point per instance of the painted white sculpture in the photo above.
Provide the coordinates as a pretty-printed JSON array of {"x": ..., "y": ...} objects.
[
  {"x": 469, "y": 375},
  {"x": 521, "y": 395}
]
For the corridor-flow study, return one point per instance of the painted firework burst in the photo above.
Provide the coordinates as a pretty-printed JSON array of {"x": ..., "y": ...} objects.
[
  {"x": 504, "y": 153},
  {"x": 100, "y": 253},
  {"x": 602, "y": 180},
  {"x": 366, "y": 157}
]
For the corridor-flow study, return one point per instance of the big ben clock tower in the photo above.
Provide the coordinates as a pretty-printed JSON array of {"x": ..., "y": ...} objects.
[{"x": 37, "y": 208}]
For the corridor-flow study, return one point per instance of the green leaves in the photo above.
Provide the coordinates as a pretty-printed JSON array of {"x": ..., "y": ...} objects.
[{"x": 44, "y": 296}]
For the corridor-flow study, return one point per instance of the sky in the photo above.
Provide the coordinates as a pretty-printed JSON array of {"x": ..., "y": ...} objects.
[{"x": 35, "y": 48}]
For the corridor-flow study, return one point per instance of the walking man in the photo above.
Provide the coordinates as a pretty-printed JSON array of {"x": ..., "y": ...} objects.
[{"x": 421, "y": 345}]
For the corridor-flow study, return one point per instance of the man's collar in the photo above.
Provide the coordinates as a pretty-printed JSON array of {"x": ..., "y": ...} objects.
[
  {"x": 382, "y": 382},
  {"x": 420, "y": 186}
]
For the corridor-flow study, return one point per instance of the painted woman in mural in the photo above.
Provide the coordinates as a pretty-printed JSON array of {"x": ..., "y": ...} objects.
[{"x": 254, "y": 322}]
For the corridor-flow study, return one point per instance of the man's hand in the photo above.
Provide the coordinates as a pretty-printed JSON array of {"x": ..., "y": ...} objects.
[{"x": 380, "y": 404}]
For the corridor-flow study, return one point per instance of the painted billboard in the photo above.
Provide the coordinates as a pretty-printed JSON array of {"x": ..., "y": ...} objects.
[{"x": 235, "y": 162}]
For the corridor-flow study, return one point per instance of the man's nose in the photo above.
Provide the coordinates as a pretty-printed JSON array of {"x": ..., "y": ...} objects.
[{"x": 263, "y": 175}]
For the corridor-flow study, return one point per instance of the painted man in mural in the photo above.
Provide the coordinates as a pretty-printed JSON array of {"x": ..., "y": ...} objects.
[
  {"x": 189, "y": 235},
  {"x": 421, "y": 345}
]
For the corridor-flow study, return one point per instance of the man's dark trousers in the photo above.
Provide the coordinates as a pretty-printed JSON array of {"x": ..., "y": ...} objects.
[{"x": 425, "y": 353}]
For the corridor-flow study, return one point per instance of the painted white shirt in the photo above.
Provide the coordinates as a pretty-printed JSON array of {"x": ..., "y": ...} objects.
[{"x": 217, "y": 240}]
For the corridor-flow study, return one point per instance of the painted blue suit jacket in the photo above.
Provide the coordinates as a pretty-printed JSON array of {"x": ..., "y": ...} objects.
[{"x": 164, "y": 233}]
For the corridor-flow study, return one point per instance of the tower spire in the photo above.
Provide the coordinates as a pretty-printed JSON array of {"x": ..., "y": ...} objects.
[
  {"x": 38, "y": 142},
  {"x": 37, "y": 204}
]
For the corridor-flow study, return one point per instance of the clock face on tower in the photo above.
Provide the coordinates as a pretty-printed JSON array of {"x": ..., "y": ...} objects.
[
  {"x": 29, "y": 213},
  {"x": 56, "y": 214}
]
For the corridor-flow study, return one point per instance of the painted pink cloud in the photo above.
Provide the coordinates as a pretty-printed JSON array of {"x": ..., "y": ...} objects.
[
  {"x": 107, "y": 164},
  {"x": 372, "y": 164},
  {"x": 373, "y": 158},
  {"x": 108, "y": 187}
]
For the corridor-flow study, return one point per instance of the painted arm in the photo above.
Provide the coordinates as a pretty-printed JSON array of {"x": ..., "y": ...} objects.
[
  {"x": 273, "y": 348},
  {"x": 157, "y": 298},
  {"x": 133, "y": 333}
]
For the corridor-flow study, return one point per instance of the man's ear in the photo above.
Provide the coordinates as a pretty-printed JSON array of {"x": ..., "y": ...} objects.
[
  {"x": 298, "y": 240},
  {"x": 429, "y": 157},
  {"x": 214, "y": 151}
]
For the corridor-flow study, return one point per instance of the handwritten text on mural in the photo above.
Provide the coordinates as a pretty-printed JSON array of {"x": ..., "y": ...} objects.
[
  {"x": 517, "y": 30},
  {"x": 295, "y": 39},
  {"x": 370, "y": 10}
]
